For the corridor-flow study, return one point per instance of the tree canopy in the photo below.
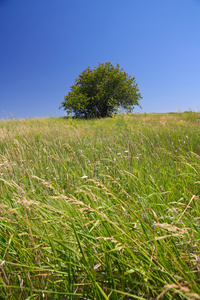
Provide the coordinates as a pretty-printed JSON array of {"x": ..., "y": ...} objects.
[{"x": 101, "y": 91}]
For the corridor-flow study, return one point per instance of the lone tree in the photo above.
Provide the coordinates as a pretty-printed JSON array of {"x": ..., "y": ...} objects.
[{"x": 101, "y": 92}]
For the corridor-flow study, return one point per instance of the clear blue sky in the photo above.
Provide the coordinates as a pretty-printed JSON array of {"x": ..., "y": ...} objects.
[{"x": 45, "y": 44}]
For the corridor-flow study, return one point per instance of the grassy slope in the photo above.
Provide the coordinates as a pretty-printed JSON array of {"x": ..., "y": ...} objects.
[{"x": 100, "y": 209}]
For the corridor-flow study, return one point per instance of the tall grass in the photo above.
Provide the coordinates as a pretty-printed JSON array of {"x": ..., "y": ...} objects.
[{"x": 100, "y": 209}]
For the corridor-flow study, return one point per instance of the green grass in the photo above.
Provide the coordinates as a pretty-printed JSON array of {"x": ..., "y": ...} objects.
[{"x": 100, "y": 209}]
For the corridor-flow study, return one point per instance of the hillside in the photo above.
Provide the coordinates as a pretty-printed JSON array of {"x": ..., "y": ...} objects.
[{"x": 100, "y": 209}]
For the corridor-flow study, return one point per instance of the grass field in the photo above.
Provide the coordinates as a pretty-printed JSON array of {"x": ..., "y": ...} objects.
[{"x": 100, "y": 209}]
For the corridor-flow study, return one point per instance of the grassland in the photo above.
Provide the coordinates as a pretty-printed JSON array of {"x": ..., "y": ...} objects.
[{"x": 100, "y": 209}]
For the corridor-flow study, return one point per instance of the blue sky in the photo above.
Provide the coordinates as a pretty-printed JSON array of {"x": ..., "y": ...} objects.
[{"x": 45, "y": 44}]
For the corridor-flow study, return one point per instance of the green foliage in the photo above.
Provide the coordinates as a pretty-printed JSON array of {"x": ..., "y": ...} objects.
[
  {"x": 100, "y": 209},
  {"x": 101, "y": 92}
]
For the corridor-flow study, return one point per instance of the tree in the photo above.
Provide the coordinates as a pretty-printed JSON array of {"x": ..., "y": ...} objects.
[{"x": 101, "y": 92}]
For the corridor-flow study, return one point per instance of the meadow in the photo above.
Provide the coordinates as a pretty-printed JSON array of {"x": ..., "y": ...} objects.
[{"x": 100, "y": 209}]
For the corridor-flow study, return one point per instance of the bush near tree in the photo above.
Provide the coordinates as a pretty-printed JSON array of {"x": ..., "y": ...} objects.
[{"x": 101, "y": 91}]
